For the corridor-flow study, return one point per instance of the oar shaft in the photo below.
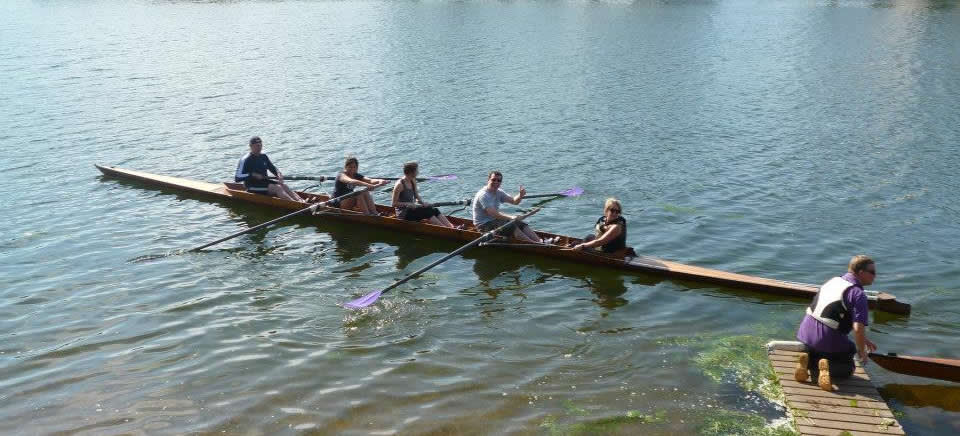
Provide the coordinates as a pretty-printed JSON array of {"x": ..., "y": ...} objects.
[
  {"x": 451, "y": 203},
  {"x": 486, "y": 236},
  {"x": 542, "y": 196},
  {"x": 310, "y": 208}
]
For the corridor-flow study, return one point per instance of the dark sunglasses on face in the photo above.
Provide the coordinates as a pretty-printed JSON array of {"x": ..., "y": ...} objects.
[
  {"x": 615, "y": 210},
  {"x": 496, "y": 180}
]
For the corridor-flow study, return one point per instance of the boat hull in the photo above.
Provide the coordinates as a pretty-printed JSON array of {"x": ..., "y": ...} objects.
[
  {"x": 235, "y": 192},
  {"x": 929, "y": 367}
]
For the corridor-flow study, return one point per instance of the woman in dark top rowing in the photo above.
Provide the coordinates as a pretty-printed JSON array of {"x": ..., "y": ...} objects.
[
  {"x": 350, "y": 178},
  {"x": 611, "y": 230},
  {"x": 407, "y": 201}
]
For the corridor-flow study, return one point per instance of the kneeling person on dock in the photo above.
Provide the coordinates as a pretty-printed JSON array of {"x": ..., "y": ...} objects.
[
  {"x": 839, "y": 307},
  {"x": 252, "y": 171},
  {"x": 486, "y": 209}
]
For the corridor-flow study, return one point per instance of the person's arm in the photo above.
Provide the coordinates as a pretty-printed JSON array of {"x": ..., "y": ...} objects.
[
  {"x": 416, "y": 195},
  {"x": 359, "y": 181},
  {"x": 864, "y": 345},
  {"x": 516, "y": 199},
  {"x": 607, "y": 236},
  {"x": 271, "y": 167},
  {"x": 492, "y": 211},
  {"x": 397, "y": 189},
  {"x": 861, "y": 319}
]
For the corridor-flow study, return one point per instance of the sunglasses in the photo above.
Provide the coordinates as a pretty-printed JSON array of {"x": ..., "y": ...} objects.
[
  {"x": 496, "y": 180},
  {"x": 614, "y": 210},
  {"x": 872, "y": 272}
]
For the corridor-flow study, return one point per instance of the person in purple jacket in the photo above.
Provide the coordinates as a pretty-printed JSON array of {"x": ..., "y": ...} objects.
[{"x": 839, "y": 307}]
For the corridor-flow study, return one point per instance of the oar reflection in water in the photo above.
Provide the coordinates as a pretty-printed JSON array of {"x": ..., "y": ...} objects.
[
  {"x": 308, "y": 208},
  {"x": 372, "y": 297}
]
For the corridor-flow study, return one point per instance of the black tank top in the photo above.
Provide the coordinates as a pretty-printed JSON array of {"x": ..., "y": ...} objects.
[
  {"x": 340, "y": 188},
  {"x": 618, "y": 243},
  {"x": 406, "y": 196}
]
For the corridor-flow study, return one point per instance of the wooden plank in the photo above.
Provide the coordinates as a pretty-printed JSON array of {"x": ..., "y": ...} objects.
[
  {"x": 839, "y": 426},
  {"x": 848, "y": 389},
  {"x": 834, "y": 401},
  {"x": 843, "y": 417},
  {"x": 808, "y": 430},
  {"x": 814, "y": 407},
  {"x": 854, "y": 381},
  {"x": 820, "y": 393}
]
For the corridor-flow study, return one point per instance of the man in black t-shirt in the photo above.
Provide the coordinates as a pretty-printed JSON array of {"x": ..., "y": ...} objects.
[{"x": 252, "y": 171}]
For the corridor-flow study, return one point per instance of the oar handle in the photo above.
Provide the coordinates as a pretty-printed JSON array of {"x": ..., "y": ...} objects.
[
  {"x": 485, "y": 237},
  {"x": 309, "y": 208}
]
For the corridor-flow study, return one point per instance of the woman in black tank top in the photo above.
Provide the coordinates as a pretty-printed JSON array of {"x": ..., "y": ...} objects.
[
  {"x": 611, "y": 230},
  {"x": 407, "y": 201},
  {"x": 345, "y": 183}
]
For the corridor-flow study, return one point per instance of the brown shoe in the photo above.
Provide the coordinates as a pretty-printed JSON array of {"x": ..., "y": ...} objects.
[
  {"x": 824, "y": 379},
  {"x": 802, "y": 374}
]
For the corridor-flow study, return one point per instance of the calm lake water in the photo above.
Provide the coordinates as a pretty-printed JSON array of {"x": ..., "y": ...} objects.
[{"x": 775, "y": 138}]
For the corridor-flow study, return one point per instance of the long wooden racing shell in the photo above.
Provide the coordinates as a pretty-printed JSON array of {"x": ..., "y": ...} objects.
[{"x": 235, "y": 192}]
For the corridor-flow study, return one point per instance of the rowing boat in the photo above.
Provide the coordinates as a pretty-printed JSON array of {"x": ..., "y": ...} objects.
[
  {"x": 930, "y": 367},
  {"x": 236, "y": 192}
]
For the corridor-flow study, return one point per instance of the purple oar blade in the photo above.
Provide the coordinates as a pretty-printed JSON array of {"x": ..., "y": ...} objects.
[
  {"x": 572, "y": 192},
  {"x": 363, "y": 301},
  {"x": 444, "y": 177}
]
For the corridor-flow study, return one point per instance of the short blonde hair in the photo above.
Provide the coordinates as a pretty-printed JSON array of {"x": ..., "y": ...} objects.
[
  {"x": 859, "y": 263},
  {"x": 612, "y": 202}
]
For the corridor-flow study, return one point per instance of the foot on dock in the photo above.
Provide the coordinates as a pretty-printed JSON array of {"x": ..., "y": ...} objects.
[
  {"x": 824, "y": 379},
  {"x": 801, "y": 373}
]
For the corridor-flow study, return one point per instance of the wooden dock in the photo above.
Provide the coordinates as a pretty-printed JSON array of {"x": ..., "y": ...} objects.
[{"x": 854, "y": 408}]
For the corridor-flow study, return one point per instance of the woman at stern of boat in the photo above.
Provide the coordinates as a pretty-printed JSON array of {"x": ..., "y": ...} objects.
[
  {"x": 610, "y": 231},
  {"x": 345, "y": 183},
  {"x": 252, "y": 172},
  {"x": 407, "y": 201},
  {"x": 839, "y": 307}
]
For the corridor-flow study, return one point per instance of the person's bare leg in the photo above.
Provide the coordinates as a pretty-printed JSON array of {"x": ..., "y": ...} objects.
[
  {"x": 276, "y": 191},
  {"x": 532, "y": 235},
  {"x": 368, "y": 204},
  {"x": 291, "y": 192},
  {"x": 443, "y": 220},
  {"x": 349, "y": 204},
  {"x": 519, "y": 234}
]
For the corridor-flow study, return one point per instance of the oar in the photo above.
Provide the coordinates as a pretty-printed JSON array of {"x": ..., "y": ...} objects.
[
  {"x": 372, "y": 297},
  {"x": 310, "y": 208},
  {"x": 423, "y": 179},
  {"x": 419, "y": 179},
  {"x": 572, "y": 192},
  {"x": 450, "y": 203}
]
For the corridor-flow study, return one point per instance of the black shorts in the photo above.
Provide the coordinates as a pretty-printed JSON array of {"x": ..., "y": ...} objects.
[
  {"x": 259, "y": 186},
  {"x": 420, "y": 213},
  {"x": 490, "y": 225}
]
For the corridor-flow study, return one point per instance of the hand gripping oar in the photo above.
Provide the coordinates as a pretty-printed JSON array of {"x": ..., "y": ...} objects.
[
  {"x": 572, "y": 192},
  {"x": 309, "y": 208},
  {"x": 372, "y": 297}
]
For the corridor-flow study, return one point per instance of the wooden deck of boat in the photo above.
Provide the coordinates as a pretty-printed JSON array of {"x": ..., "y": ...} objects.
[{"x": 854, "y": 408}]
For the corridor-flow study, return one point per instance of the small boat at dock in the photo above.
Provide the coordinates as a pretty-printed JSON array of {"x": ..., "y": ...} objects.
[{"x": 642, "y": 264}]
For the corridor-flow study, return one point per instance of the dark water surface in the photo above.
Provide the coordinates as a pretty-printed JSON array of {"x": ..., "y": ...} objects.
[{"x": 775, "y": 138}]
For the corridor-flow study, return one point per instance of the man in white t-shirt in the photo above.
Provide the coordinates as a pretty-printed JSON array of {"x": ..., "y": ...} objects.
[{"x": 486, "y": 209}]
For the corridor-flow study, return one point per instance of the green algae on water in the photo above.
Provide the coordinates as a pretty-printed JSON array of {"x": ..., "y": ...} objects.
[
  {"x": 745, "y": 359},
  {"x": 725, "y": 422},
  {"x": 619, "y": 424}
]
